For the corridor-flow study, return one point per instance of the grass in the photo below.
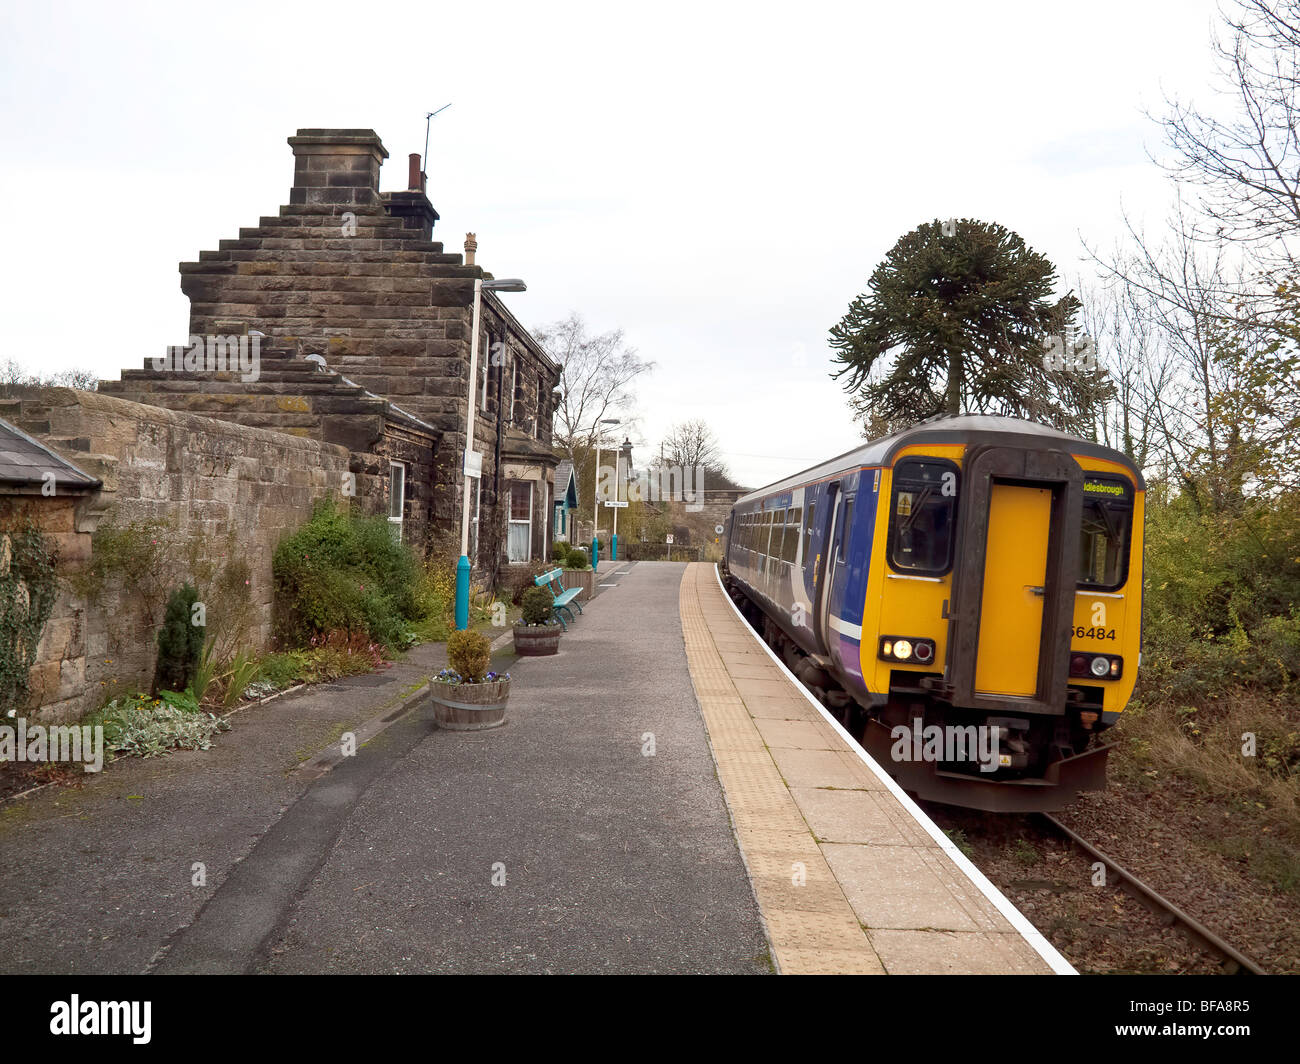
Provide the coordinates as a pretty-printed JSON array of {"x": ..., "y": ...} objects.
[
  {"x": 1025, "y": 853},
  {"x": 957, "y": 837},
  {"x": 1205, "y": 747}
]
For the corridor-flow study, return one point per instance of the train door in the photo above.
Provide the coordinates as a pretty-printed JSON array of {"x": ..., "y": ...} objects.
[
  {"x": 837, "y": 574},
  {"x": 824, "y": 577},
  {"x": 1011, "y": 607}
]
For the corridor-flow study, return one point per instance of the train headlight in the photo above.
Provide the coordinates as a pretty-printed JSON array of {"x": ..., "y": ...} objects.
[
  {"x": 911, "y": 650},
  {"x": 1096, "y": 666}
]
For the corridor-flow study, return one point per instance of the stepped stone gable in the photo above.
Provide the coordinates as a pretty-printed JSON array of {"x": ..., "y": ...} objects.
[
  {"x": 300, "y": 398},
  {"x": 353, "y": 274}
]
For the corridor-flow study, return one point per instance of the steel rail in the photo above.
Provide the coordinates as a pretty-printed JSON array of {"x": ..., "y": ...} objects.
[{"x": 1234, "y": 962}]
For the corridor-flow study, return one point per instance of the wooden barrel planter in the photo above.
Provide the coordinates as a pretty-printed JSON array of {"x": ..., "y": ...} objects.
[
  {"x": 470, "y": 706},
  {"x": 537, "y": 640},
  {"x": 585, "y": 579}
]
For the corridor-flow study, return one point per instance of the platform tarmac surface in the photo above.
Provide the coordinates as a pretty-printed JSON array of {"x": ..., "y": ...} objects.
[{"x": 589, "y": 834}]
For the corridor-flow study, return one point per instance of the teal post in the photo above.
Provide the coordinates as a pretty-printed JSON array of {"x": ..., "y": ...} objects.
[
  {"x": 462, "y": 593},
  {"x": 595, "y": 551},
  {"x": 613, "y": 547}
]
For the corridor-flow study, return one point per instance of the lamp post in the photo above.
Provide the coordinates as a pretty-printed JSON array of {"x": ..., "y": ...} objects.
[
  {"x": 595, "y": 493},
  {"x": 473, "y": 460},
  {"x": 613, "y": 539}
]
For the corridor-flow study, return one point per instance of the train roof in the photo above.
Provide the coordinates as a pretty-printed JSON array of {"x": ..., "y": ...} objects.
[{"x": 961, "y": 429}]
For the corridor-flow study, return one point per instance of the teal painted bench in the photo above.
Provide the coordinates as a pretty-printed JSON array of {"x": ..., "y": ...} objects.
[{"x": 561, "y": 596}]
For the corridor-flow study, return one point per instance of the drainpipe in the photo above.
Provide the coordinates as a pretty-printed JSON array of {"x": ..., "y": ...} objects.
[{"x": 496, "y": 466}]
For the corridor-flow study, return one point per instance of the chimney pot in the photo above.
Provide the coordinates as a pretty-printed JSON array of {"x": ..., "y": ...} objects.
[
  {"x": 417, "y": 178},
  {"x": 471, "y": 246}
]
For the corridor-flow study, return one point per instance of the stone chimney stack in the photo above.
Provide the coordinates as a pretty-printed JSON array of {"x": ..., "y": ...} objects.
[
  {"x": 336, "y": 167},
  {"x": 471, "y": 246}
]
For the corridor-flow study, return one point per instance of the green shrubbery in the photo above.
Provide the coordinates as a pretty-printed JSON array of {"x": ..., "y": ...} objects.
[
  {"x": 469, "y": 654},
  {"x": 145, "y": 727},
  {"x": 536, "y": 603},
  {"x": 1221, "y": 600},
  {"x": 180, "y": 642},
  {"x": 341, "y": 572},
  {"x": 577, "y": 559},
  {"x": 559, "y": 551},
  {"x": 28, "y": 588}
]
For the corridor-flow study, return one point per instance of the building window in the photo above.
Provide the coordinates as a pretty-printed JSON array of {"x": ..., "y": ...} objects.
[
  {"x": 514, "y": 383},
  {"x": 519, "y": 538},
  {"x": 473, "y": 520},
  {"x": 396, "y": 497}
]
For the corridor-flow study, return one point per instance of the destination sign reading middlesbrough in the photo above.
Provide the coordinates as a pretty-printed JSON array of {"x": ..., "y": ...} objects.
[{"x": 1105, "y": 487}]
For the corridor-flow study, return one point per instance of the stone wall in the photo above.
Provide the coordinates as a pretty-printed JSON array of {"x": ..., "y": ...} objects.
[
  {"x": 58, "y": 678},
  {"x": 227, "y": 493}
]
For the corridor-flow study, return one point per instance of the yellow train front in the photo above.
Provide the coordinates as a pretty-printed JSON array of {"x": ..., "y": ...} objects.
[{"x": 967, "y": 597}]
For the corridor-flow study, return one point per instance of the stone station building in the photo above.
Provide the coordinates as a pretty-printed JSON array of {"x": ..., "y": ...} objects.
[{"x": 350, "y": 279}]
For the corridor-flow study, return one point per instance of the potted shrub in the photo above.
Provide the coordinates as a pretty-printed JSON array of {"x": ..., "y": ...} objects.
[
  {"x": 466, "y": 695},
  {"x": 538, "y": 632}
]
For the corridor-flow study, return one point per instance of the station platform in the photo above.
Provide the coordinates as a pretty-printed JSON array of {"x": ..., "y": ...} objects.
[
  {"x": 849, "y": 874},
  {"x": 664, "y": 798}
]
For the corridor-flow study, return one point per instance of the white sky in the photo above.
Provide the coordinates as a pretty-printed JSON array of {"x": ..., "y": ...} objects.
[{"x": 719, "y": 180}]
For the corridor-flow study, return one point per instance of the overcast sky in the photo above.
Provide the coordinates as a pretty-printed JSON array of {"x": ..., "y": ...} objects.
[{"x": 719, "y": 180}]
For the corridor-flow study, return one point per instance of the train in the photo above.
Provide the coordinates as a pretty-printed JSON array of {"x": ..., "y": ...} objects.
[{"x": 964, "y": 595}]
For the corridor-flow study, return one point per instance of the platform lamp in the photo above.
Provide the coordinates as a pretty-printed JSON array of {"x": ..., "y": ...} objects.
[
  {"x": 613, "y": 539},
  {"x": 473, "y": 460},
  {"x": 595, "y": 494}
]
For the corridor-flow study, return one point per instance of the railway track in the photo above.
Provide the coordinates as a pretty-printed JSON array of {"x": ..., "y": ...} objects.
[{"x": 1233, "y": 961}]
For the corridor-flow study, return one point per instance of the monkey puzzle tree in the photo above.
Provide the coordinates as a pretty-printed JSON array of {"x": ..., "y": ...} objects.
[{"x": 955, "y": 318}]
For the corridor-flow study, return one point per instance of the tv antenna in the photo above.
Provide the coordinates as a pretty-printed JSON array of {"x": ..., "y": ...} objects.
[{"x": 428, "y": 120}]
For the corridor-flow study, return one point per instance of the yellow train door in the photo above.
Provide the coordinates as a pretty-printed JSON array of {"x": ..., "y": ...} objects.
[{"x": 1011, "y": 609}]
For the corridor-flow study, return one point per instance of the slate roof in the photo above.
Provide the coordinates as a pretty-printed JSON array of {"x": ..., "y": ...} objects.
[
  {"x": 564, "y": 474},
  {"x": 25, "y": 461}
]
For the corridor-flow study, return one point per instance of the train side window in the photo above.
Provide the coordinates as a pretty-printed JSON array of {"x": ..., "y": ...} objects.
[
  {"x": 1104, "y": 533},
  {"x": 922, "y": 515},
  {"x": 790, "y": 545},
  {"x": 778, "y": 534}
]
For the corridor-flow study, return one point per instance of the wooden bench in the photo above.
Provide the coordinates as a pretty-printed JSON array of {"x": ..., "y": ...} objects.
[{"x": 561, "y": 596}]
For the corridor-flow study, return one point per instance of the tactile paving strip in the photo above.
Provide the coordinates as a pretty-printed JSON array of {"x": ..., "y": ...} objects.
[{"x": 846, "y": 879}]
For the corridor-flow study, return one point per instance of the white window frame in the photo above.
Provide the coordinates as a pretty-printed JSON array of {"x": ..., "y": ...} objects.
[
  {"x": 473, "y": 521},
  {"x": 396, "y": 480},
  {"x": 514, "y": 381},
  {"x": 511, "y": 521}
]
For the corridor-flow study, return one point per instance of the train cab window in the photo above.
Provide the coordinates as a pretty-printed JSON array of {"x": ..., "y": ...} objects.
[
  {"x": 1104, "y": 533},
  {"x": 922, "y": 516}
]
